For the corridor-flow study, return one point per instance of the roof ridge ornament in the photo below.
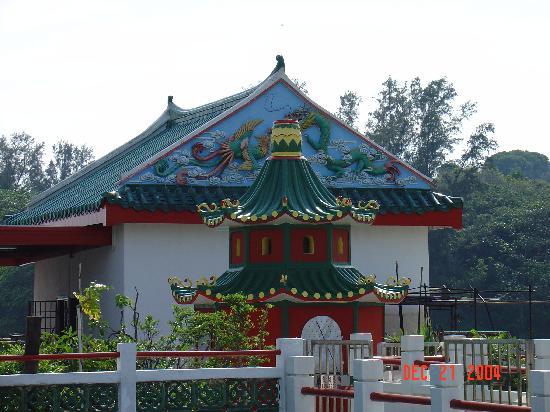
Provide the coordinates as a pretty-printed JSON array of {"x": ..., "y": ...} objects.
[{"x": 280, "y": 64}]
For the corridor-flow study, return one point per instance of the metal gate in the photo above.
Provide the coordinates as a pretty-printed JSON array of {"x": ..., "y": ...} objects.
[
  {"x": 334, "y": 368},
  {"x": 495, "y": 370}
]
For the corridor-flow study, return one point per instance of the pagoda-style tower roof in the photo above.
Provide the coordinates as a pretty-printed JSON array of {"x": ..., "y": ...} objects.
[
  {"x": 322, "y": 283},
  {"x": 286, "y": 197},
  {"x": 287, "y": 186}
]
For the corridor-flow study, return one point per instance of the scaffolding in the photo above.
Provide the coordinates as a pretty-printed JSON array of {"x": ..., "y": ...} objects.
[{"x": 444, "y": 298}]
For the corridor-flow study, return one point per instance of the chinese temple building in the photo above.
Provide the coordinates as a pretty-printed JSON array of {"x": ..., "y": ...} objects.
[
  {"x": 290, "y": 246},
  {"x": 311, "y": 215}
]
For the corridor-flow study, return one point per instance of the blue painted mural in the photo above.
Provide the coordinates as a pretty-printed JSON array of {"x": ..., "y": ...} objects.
[{"x": 232, "y": 152}]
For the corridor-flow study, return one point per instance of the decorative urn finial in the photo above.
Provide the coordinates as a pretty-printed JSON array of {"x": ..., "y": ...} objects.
[{"x": 286, "y": 138}]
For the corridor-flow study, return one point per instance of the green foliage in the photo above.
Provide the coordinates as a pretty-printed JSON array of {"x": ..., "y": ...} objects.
[
  {"x": 67, "y": 159},
  {"x": 504, "y": 243},
  {"x": 12, "y": 200},
  {"x": 89, "y": 300},
  {"x": 521, "y": 163},
  {"x": 236, "y": 325},
  {"x": 15, "y": 291},
  {"x": 429, "y": 334},
  {"x": 348, "y": 110},
  {"x": 22, "y": 162},
  {"x": 479, "y": 145},
  {"x": 9, "y": 368},
  {"x": 420, "y": 124}
]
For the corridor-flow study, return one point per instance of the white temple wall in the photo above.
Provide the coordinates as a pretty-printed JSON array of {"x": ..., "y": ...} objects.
[
  {"x": 58, "y": 276},
  {"x": 375, "y": 249},
  {"x": 154, "y": 252},
  {"x": 145, "y": 255}
]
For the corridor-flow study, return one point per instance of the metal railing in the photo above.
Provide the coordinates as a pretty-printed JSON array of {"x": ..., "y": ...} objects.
[
  {"x": 392, "y": 370},
  {"x": 57, "y": 315},
  {"x": 394, "y": 348},
  {"x": 496, "y": 370},
  {"x": 333, "y": 359},
  {"x": 333, "y": 369}
]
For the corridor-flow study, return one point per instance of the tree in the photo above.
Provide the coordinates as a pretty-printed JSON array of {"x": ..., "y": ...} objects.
[
  {"x": 479, "y": 145},
  {"x": 300, "y": 85},
  {"x": 504, "y": 244},
  {"x": 348, "y": 110},
  {"x": 391, "y": 124},
  {"x": 461, "y": 177},
  {"x": 520, "y": 162},
  {"x": 420, "y": 124},
  {"x": 15, "y": 292},
  {"x": 21, "y": 162},
  {"x": 67, "y": 159},
  {"x": 21, "y": 174}
]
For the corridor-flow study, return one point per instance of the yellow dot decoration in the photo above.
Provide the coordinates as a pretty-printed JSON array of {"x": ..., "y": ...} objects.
[
  {"x": 350, "y": 294},
  {"x": 305, "y": 217},
  {"x": 233, "y": 216},
  {"x": 304, "y": 294},
  {"x": 208, "y": 292},
  {"x": 362, "y": 291},
  {"x": 261, "y": 295},
  {"x": 339, "y": 213},
  {"x": 264, "y": 217},
  {"x": 317, "y": 218},
  {"x": 250, "y": 296},
  {"x": 293, "y": 291},
  {"x": 274, "y": 213},
  {"x": 316, "y": 295},
  {"x": 254, "y": 218},
  {"x": 339, "y": 295},
  {"x": 329, "y": 217},
  {"x": 328, "y": 295},
  {"x": 218, "y": 295},
  {"x": 272, "y": 291},
  {"x": 295, "y": 214}
]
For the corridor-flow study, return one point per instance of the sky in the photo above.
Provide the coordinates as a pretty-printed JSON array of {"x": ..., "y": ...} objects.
[{"x": 99, "y": 72}]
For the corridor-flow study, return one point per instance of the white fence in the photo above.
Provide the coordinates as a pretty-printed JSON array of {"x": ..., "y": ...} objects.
[{"x": 294, "y": 371}]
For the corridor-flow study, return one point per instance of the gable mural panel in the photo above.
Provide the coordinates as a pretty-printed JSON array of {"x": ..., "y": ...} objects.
[{"x": 232, "y": 152}]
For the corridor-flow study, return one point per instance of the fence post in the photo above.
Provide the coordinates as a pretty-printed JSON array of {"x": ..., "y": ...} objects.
[
  {"x": 32, "y": 342},
  {"x": 298, "y": 374},
  {"x": 126, "y": 367},
  {"x": 539, "y": 381},
  {"x": 542, "y": 354},
  {"x": 288, "y": 347},
  {"x": 412, "y": 349},
  {"x": 367, "y": 379},
  {"x": 356, "y": 353},
  {"x": 448, "y": 384},
  {"x": 454, "y": 352}
]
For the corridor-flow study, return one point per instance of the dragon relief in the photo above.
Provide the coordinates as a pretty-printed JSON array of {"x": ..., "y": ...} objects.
[
  {"x": 238, "y": 146},
  {"x": 250, "y": 150},
  {"x": 364, "y": 162}
]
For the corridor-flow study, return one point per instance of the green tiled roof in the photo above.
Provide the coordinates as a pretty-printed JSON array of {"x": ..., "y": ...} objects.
[
  {"x": 287, "y": 187},
  {"x": 312, "y": 282},
  {"x": 177, "y": 198},
  {"x": 83, "y": 192}
]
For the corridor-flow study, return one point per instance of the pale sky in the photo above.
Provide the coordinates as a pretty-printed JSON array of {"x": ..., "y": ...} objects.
[{"x": 99, "y": 72}]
